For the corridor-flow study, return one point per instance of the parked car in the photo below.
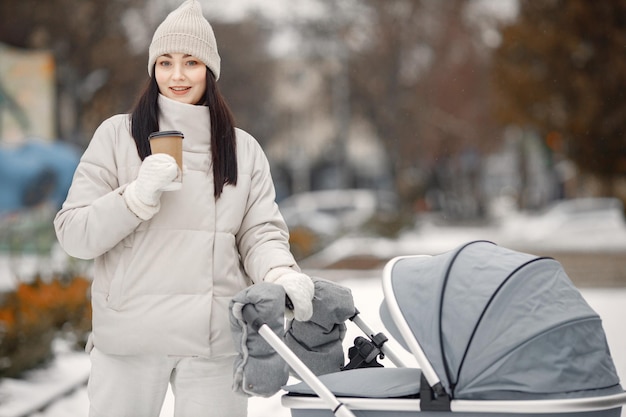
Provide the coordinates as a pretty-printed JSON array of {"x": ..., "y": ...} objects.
[
  {"x": 317, "y": 217},
  {"x": 334, "y": 211},
  {"x": 574, "y": 223}
]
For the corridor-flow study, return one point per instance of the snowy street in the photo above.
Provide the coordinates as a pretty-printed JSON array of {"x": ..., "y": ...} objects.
[{"x": 609, "y": 303}]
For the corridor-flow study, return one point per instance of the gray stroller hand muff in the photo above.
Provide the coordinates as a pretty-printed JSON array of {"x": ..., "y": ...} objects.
[
  {"x": 258, "y": 369},
  {"x": 318, "y": 342}
]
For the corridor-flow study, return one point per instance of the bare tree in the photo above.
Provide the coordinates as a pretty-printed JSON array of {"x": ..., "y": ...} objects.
[
  {"x": 561, "y": 70},
  {"x": 417, "y": 72},
  {"x": 247, "y": 74},
  {"x": 97, "y": 71}
]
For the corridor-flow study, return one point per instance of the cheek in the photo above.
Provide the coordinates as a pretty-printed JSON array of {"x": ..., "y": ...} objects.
[
  {"x": 161, "y": 80},
  {"x": 200, "y": 77},
  {"x": 161, "y": 84},
  {"x": 202, "y": 83}
]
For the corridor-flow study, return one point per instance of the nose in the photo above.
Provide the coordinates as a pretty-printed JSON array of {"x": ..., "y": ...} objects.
[{"x": 178, "y": 72}]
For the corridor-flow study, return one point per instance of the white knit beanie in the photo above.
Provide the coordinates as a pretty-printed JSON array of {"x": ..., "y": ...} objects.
[{"x": 186, "y": 31}]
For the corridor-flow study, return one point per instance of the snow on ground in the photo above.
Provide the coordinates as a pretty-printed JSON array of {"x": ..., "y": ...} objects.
[{"x": 609, "y": 303}]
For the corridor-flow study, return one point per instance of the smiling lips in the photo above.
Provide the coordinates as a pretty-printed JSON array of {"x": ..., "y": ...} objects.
[{"x": 180, "y": 90}]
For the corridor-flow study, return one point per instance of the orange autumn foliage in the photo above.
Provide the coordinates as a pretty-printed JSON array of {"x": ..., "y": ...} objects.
[{"x": 33, "y": 314}]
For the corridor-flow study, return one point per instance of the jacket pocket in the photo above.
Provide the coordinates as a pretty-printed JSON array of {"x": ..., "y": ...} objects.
[
  {"x": 116, "y": 287},
  {"x": 114, "y": 298}
]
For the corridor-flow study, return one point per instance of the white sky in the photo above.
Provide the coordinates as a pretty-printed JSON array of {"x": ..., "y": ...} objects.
[{"x": 281, "y": 9}]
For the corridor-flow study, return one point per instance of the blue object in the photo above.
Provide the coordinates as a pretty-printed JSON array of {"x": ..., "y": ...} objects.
[{"x": 35, "y": 172}]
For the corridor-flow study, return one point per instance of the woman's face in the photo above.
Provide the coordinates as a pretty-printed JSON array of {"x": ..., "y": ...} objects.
[{"x": 181, "y": 77}]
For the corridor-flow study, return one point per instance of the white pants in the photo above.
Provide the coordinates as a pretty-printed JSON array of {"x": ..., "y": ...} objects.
[{"x": 135, "y": 386}]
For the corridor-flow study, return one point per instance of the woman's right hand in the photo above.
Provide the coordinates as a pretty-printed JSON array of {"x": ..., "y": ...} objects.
[
  {"x": 144, "y": 194},
  {"x": 156, "y": 172}
]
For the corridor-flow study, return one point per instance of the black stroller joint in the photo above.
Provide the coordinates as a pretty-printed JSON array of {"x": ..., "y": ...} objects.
[{"x": 365, "y": 352}]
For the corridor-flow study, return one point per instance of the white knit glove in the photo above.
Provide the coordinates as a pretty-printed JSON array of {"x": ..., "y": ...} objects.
[
  {"x": 143, "y": 195},
  {"x": 298, "y": 287}
]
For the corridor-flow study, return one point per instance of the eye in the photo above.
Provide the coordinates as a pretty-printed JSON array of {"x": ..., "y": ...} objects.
[
  {"x": 164, "y": 63},
  {"x": 191, "y": 63}
]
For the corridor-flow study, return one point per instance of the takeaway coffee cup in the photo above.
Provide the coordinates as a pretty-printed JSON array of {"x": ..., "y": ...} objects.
[{"x": 171, "y": 143}]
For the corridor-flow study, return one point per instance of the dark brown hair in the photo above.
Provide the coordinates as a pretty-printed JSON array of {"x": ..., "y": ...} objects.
[{"x": 145, "y": 120}]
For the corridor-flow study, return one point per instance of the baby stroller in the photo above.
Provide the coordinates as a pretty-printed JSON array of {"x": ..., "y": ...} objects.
[{"x": 495, "y": 332}]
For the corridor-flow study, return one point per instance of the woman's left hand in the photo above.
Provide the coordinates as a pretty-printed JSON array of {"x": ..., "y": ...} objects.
[{"x": 299, "y": 288}]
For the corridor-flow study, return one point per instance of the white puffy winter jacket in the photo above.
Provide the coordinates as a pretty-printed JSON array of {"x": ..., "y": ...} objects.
[{"x": 163, "y": 285}]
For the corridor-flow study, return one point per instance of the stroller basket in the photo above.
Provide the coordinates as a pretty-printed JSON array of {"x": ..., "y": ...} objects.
[{"x": 495, "y": 332}]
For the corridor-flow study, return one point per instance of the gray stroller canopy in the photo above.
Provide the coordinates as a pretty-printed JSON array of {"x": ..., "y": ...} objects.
[{"x": 499, "y": 324}]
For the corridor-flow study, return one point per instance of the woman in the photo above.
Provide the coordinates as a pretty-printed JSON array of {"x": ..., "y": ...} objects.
[{"x": 167, "y": 263}]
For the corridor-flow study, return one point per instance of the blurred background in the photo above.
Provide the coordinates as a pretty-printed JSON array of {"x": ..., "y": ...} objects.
[{"x": 391, "y": 126}]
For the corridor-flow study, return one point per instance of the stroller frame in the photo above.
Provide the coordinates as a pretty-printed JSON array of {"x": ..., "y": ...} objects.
[{"x": 433, "y": 400}]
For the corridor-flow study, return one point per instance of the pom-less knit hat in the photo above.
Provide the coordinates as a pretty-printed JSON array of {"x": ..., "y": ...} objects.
[{"x": 186, "y": 31}]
